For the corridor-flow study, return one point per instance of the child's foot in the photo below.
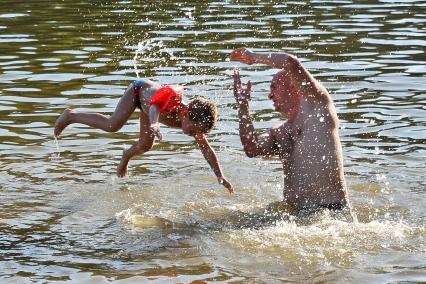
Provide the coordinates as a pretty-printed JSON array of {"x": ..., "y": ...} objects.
[{"x": 62, "y": 122}]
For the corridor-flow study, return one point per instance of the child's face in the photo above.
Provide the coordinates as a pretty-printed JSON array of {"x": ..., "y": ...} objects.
[{"x": 190, "y": 128}]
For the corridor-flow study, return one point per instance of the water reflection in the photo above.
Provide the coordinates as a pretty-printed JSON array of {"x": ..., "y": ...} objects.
[{"x": 60, "y": 202}]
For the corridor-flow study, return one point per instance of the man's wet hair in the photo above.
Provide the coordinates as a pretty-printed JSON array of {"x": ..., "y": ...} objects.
[{"x": 203, "y": 113}]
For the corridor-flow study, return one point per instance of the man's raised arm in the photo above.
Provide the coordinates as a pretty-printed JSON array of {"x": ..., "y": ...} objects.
[
  {"x": 253, "y": 144},
  {"x": 306, "y": 83}
]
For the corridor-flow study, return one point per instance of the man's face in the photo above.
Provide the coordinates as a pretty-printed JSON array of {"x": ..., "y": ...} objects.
[{"x": 282, "y": 93}]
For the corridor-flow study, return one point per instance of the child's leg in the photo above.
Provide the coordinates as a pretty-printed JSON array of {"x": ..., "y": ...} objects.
[
  {"x": 125, "y": 107},
  {"x": 145, "y": 143}
]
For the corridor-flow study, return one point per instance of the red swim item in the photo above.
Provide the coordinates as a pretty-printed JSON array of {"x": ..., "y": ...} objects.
[{"x": 168, "y": 97}]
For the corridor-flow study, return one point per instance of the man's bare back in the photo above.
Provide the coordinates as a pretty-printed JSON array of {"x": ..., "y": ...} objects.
[{"x": 307, "y": 143}]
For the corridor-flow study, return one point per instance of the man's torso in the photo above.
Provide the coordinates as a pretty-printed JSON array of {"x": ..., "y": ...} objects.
[{"x": 313, "y": 164}]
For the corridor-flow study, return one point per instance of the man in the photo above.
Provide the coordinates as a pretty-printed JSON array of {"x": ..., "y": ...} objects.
[{"x": 307, "y": 143}]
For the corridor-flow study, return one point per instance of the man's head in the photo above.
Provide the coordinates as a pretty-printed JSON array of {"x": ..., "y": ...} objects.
[
  {"x": 201, "y": 117},
  {"x": 284, "y": 94}
]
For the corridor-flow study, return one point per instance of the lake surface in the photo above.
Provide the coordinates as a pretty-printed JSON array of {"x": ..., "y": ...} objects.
[{"x": 66, "y": 218}]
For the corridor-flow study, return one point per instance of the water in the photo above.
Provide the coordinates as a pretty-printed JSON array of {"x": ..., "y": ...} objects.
[{"x": 67, "y": 218}]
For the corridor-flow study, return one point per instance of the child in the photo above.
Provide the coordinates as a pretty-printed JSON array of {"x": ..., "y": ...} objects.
[{"x": 158, "y": 104}]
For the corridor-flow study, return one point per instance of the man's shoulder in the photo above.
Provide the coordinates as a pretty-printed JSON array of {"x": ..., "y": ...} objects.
[{"x": 316, "y": 95}]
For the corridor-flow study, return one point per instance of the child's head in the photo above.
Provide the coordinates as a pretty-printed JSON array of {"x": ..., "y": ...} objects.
[{"x": 202, "y": 116}]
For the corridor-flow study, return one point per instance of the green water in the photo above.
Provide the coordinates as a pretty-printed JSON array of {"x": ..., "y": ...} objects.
[{"x": 67, "y": 218}]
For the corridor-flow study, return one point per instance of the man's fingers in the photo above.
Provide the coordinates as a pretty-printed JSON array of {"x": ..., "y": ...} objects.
[
  {"x": 232, "y": 55},
  {"x": 237, "y": 80},
  {"x": 249, "y": 85},
  {"x": 237, "y": 54}
]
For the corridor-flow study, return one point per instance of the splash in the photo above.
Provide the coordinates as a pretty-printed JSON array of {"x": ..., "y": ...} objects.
[
  {"x": 326, "y": 241},
  {"x": 56, "y": 143},
  {"x": 139, "y": 221},
  {"x": 151, "y": 50},
  {"x": 55, "y": 156},
  {"x": 126, "y": 215}
]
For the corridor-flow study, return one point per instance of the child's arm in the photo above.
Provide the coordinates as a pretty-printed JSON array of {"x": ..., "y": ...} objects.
[
  {"x": 211, "y": 158},
  {"x": 154, "y": 115}
]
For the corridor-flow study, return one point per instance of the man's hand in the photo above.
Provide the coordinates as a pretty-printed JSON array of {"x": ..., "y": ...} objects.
[
  {"x": 155, "y": 128},
  {"x": 242, "y": 95},
  {"x": 226, "y": 184},
  {"x": 243, "y": 55}
]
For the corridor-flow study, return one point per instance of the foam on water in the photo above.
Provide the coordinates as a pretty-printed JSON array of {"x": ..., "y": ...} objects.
[
  {"x": 139, "y": 221},
  {"x": 324, "y": 241},
  {"x": 324, "y": 245},
  {"x": 328, "y": 241},
  {"x": 325, "y": 233}
]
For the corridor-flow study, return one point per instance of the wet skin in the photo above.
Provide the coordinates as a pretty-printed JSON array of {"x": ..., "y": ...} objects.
[
  {"x": 307, "y": 143},
  {"x": 148, "y": 130}
]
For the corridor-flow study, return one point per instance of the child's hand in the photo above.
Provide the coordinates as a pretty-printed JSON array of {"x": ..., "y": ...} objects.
[
  {"x": 155, "y": 128},
  {"x": 226, "y": 184}
]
